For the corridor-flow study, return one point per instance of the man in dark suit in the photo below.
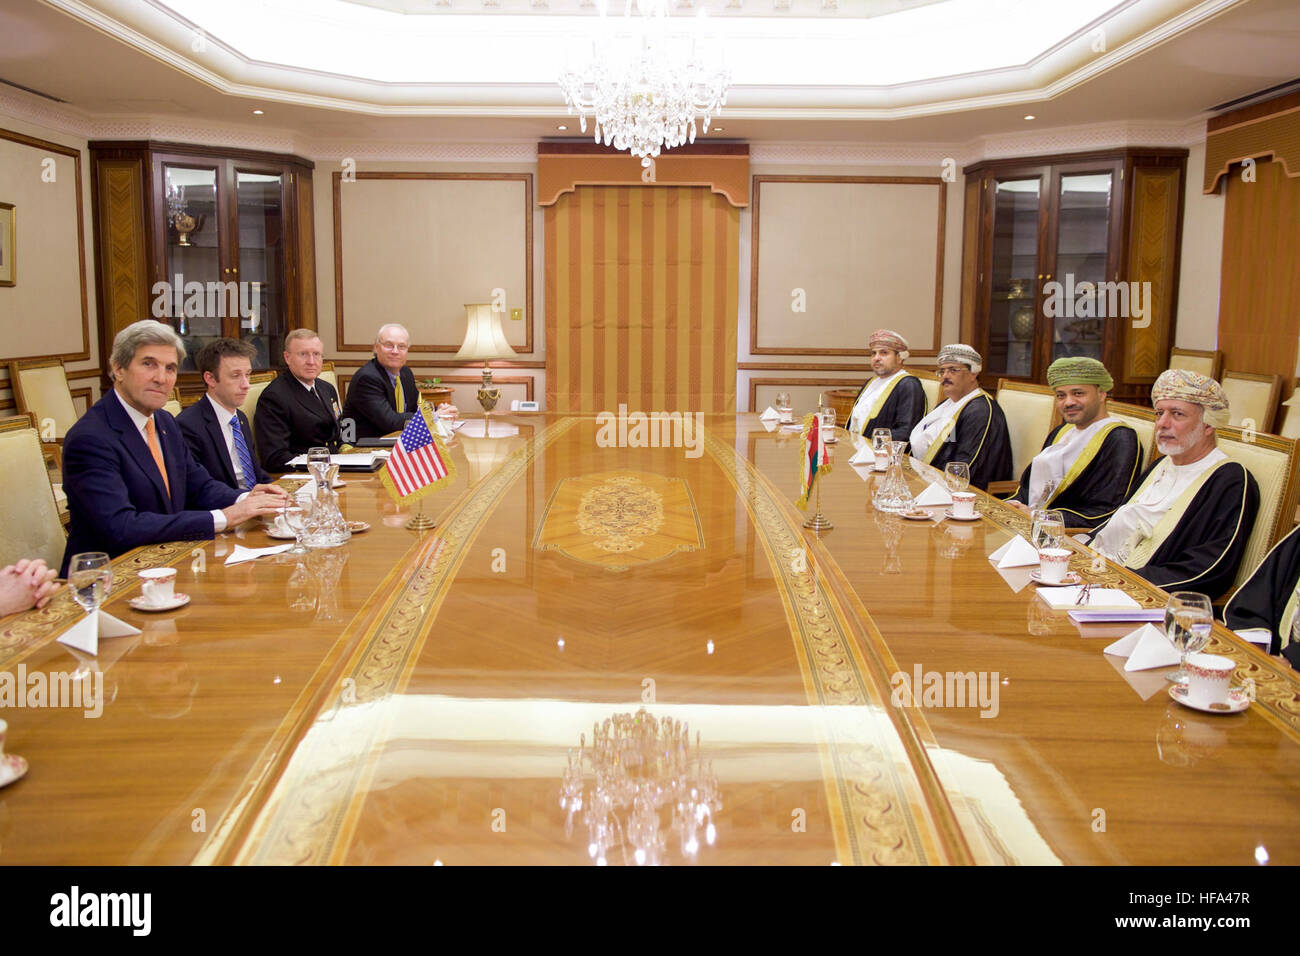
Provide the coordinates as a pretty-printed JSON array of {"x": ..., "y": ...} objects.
[
  {"x": 376, "y": 405},
  {"x": 128, "y": 475},
  {"x": 298, "y": 410},
  {"x": 216, "y": 430}
]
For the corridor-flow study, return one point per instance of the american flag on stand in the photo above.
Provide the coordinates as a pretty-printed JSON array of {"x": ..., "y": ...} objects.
[{"x": 419, "y": 461}]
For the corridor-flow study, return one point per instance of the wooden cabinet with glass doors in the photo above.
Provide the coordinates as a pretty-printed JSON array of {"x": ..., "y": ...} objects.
[
  {"x": 1073, "y": 256},
  {"x": 214, "y": 242}
]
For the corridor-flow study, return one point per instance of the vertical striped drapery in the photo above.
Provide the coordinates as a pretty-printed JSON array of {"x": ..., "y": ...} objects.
[{"x": 641, "y": 299}]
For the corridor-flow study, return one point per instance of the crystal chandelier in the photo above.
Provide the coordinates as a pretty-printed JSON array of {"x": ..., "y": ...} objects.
[
  {"x": 640, "y": 766},
  {"x": 644, "y": 86}
]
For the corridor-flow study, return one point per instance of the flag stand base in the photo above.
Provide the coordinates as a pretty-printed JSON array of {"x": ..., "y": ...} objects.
[
  {"x": 421, "y": 521},
  {"x": 818, "y": 522}
]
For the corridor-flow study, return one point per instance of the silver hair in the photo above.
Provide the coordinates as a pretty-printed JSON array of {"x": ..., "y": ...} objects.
[
  {"x": 139, "y": 334},
  {"x": 391, "y": 325}
]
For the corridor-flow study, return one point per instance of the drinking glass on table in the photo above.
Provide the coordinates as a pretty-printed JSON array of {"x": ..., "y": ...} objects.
[
  {"x": 1048, "y": 530},
  {"x": 90, "y": 576},
  {"x": 784, "y": 406},
  {"x": 956, "y": 474},
  {"x": 318, "y": 463},
  {"x": 295, "y": 517},
  {"x": 1189, "y": 618},
  {"x": 880, "y": 439},
  {"x": 828, "y": 420}
]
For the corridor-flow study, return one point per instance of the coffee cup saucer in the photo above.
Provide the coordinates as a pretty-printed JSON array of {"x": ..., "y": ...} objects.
[
  {"x": 975, "y": 517},
  {"x": 1071, "y": 578},
  {"x": 178, "y": 600},
  {"x": 12, "y": 767},
  {"x": 1237, "y": 701}
]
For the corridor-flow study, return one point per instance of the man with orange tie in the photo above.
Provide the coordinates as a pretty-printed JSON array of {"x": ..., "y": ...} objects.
[{"x": 127, "y": 472}]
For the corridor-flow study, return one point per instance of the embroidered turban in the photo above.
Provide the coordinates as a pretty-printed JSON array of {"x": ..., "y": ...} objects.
[
  {"x": 1182, "y": 385},
  {"x": 962, "y": 355},
  {"x": 888, "y": 339},
  {"x": 1079, "y": 371}
]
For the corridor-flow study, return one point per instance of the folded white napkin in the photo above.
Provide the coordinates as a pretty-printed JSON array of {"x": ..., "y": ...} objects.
[
  {"x": 242, "y": 554},
  {"x": 1256, "y": 635},
  {"x": 85, "y": 634},
  {"x": 770, "y": 415},
  {"x": 1067, "y": 598},
  {"x": 1016, "y": 553},
  {"x": 863, "y": 456},
  {"x": 1145, "y": 648},
  {"x": 936, "y": 494}
]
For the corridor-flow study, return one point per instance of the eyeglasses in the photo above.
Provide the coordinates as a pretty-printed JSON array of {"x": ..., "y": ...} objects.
[{"x": 393, "y": 346}]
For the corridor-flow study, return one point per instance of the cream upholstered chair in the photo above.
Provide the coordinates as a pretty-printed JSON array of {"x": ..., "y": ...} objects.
[
  {"x": 1197, "y": 360},
  {"x": 1289, "y": 426},
  {"x": 173, "y": 405},
  {"x": 259, "y": 381},
  {"x": 328, "y": 374},
  {"x": 1252, "y": 396},
  {"x": 29, "y": 518},
  {"x": 1030, "y": 411},
  {"x": 40, "y": 386},
  {"x": 1143, "y": 420},
  {"x": 929, "y": 385},
  {"x": 1272, "y": 461}
]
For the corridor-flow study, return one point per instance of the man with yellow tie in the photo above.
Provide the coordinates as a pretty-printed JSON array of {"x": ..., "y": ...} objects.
[
  {"x": 382, "y": 394},
  {"x": 127, "y": 472}
]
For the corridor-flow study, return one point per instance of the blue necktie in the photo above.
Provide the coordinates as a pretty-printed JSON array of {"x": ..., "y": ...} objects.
[{"x": 241, "y": 449}]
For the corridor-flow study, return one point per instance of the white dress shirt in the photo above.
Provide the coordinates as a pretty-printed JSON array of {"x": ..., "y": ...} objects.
[
  {"x": 1144, "y": 511},
  {"x": 928, "y": 428},
  {"x": 228, "y": 433},
  {"x": 140, "y": 420}
]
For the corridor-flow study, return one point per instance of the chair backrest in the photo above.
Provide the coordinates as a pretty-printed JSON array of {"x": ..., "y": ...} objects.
[
  {"x": 1254, "y": 396},
  {"x": 1030, "y": 411},
  {"x": 929, "y": 385},
  {"x": 1197, "y": 360},
  {"x": 259, "y": 381},
  {"x": 29, "y": 517},
  {"x": 1289, "y": 426},
  {"x": 40, "y": 386},
  {"x": 173, "y": 405},
  {"x": 1272, "y": 461},
  {"x": 1143, "y": 421},
  {"x": 327, "y": 372}
]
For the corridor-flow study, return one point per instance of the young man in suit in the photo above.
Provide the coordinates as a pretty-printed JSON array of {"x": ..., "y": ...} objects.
[
  {"x": 298, "y": 410},
  {"x": 216, "y": 430},
  {"x": 382, "y": 395},
  {"x": 127, "y": 472}
]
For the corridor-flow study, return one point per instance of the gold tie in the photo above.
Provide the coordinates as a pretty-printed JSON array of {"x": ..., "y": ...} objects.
[
  {"x": 401, "y": 395},
  {"x": 156, "y": 450}
]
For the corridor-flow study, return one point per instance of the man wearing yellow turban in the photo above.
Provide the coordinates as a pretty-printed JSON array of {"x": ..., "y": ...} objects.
[
  {"x": 1186, "y": 526},
  {"x": 1090, "y": 463},
  {"x": 892, "y": 399}
]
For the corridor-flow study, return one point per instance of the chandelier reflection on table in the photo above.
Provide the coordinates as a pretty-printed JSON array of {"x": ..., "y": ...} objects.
[
  {"x": 641, "y": 766},
  {"x": 645, "y": 86}
]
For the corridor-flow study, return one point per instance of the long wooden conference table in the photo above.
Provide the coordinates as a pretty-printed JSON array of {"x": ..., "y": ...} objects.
[{"x": 433, "y": 697}]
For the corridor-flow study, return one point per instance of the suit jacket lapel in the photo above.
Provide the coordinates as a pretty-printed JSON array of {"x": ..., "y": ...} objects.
[
  {"x": 218, "y": 438},
  {"x": 135, "y": 445}
]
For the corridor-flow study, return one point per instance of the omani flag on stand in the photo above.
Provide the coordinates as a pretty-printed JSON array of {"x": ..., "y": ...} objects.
[
  {"x": 419, "y": 462},
  {"x": 814, "y": 457}
]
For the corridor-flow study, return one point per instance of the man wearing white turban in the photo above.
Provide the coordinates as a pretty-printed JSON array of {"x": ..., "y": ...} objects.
[
  {"x": 969, "y": 426},
  {"x": 893, "y": 399},
  {"x": 1186, "y": 526}
]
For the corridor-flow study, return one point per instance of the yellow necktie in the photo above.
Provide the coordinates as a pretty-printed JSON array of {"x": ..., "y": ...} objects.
[
  {"x": 156, "y": 450},
  {"x": 401, "y": 395}
]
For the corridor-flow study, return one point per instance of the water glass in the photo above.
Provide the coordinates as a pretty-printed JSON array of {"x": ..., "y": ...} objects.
[
  {"x": 318, "y": 463},
  {"x": 90, "y": 576},
  {"x": 880, "y": 440},
  {"x": 957, "y": 475},
  {"x": 1048, "y": 530},
  {"x": 1189, "y": 618}
]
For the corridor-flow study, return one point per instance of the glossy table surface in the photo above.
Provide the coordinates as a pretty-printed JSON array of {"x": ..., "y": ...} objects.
[{"x": 417, "y": 697}]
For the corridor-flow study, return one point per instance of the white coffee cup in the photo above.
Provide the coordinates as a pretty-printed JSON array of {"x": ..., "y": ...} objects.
[
  {"x": 963, "y": 504},
  {"x": 1053, "y": 564},
  {"x": 1208, "y": 676},
  {"x": 158, "y": 585}
]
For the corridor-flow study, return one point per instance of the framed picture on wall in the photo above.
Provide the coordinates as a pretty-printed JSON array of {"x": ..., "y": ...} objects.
[{"x": 8, "y": 243}]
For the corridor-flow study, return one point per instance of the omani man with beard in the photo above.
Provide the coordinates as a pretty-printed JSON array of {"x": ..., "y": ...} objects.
[
  {"x": 1090, "y": 463},
  {"x": 1186, "y": 526},
  {"x": 969, "y": 426},
  {"x": 892, "y": 399}
]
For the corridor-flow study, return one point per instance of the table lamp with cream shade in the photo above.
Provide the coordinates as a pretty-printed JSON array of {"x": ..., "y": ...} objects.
[{"x": 484, "y": 341}]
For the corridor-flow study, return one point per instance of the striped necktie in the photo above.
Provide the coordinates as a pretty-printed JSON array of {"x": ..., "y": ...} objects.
[{"x": 245, "y": 458}]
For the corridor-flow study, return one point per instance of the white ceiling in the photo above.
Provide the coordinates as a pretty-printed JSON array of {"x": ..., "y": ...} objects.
[{"x": 832, "y": 71}]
